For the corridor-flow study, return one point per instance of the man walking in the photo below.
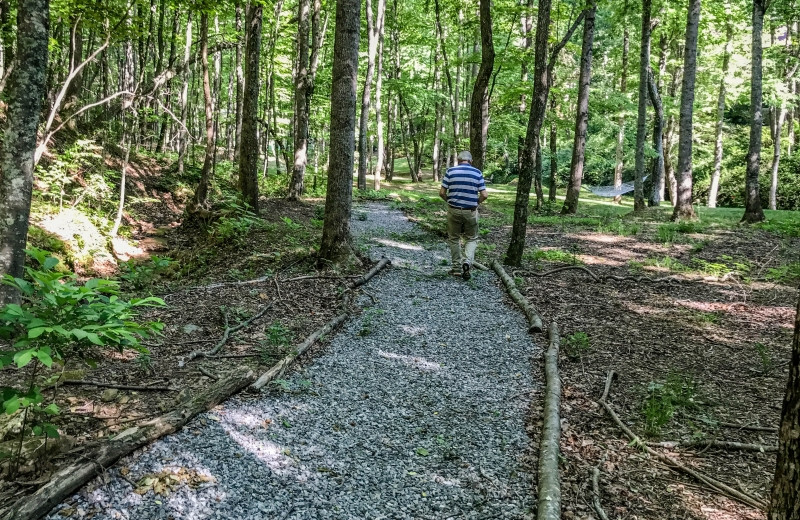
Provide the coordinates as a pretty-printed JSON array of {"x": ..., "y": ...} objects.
[{"x": 463, "y": 188}]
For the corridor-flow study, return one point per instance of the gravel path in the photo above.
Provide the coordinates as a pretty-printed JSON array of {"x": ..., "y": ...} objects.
[{"x": 415, "y": 410}]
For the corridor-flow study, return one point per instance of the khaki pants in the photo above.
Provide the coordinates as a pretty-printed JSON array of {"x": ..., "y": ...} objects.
[{"x": 462, "y": 222}]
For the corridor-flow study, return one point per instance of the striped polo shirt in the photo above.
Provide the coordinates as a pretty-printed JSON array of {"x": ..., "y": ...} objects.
[{"x": 463, "y": 183}]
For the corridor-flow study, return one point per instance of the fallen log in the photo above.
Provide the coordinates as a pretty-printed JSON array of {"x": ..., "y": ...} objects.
[
  {"x": 372, "y": 272},
  {"x": 281, "y": 366},
  {"x": 549, "y": 485},
  {"x": 673, "y": 464},
  {"x": 534, "y": 320},
  {"x": 70, "y": 478}
]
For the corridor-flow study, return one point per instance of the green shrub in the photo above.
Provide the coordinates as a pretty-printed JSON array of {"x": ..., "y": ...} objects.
[
  {"x": 140, "y": 275},
  {"x": 576, "y": 345},
  {"x": 664, "y": 399},
  {"x": 59, "y": 319}
]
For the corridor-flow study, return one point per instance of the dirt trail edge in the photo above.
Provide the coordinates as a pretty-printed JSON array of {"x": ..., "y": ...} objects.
[{"x": 416, "y": 409}]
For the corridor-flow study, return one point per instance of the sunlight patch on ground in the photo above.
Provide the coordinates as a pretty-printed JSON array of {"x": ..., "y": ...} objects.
[
  {"x": 599, "y": 260},
  {"x": 412, "y": 330},
  {"x": 602, "y": 239},
  {"x": 275, "y": 457},
  {"x": 412, "y": 361},
  {"x": 399, "y": 245}
]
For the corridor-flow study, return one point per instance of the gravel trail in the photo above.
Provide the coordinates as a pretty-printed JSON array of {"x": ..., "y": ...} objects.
[{"x": 416, "y": 410}]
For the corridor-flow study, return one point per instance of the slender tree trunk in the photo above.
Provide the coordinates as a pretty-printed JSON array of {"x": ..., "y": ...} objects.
[
  {"x": 753, "y": 211},
  {"x": 551, "y": 195},
  {"x": 641, "y": 122},
  {"x": 450, "y": 88},
  {"x": 248, "y": 158},
  {"x": 619, "y": 167},
  {"x": 378, "y": 109},
  {"x": 183, "y": 141},
  {"x": 373, "y": 25},
  {"x": 479, "y": 106},
  {"x": 6, "y": 37},
  {"x": 683, "y": 206},
  {"x": 26, "y": 91},
  {"x": 527, "y": 42},
  {"x": 237, "y": 140},
  {"x": 201, "y": 195},
  {"x": 785, "y": 496},
  {"x": 715, "y": 175},
  {"x": 657, "y": 172},
  {"x": 165, "y": 117},
  {"x": 438, "y": 128},
  {"x": 296, "y": 185},
  {"x": 336, "y": 239},
  {"x": 75, "y": 58},
  {"x": 582, "y": 117},
  {"x": 776, "y": 125}
]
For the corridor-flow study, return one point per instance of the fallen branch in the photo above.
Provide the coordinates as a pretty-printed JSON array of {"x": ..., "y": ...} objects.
[
  {"x": 372, "y": 272},
  {"x": 284, "y": 363},
  {"x": 319, "y": 277},
  {"x": 208, "y": 373},
  {"x": 227, "y": 334},
  {"x": 549, "y": 485},
  {"x": 479, "y": 266},
  {"x": 672, "y": 463},
  {"x": 598, "y": 507},
  {"x": 606, "y": 277},
  {"x": 534, "y": 320},
  {"x": 135, "y": 388},
  {"x": 220, "y": 284},
  {"x": 70, "y": 478},
  {"x": 722, "y": 445}
]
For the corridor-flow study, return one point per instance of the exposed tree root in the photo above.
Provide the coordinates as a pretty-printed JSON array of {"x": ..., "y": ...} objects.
[
  {"x": 549, "y": 485},
  {"x": 534, "y": 320},
  {"x": 228, "y": 331},
  {"x": 712, "y": 483},
  {"x": 100, "y": 457},
  {"x": 598, "y": 507},
  {"x": 281, "y": 366},
  {"x": 604, "y": 278}
]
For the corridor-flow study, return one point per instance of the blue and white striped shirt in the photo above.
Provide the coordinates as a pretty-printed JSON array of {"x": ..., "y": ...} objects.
[{"x": 463, "y": 183}]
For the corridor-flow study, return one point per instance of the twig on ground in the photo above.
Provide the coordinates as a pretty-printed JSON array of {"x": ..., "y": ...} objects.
[
  {"x": 208, "y": 373},
  {"x": 320, "y": 277},
  {"x": 227, "y": 334},
  {"x": 372, "y": 272},
  {"x": 722, "y": 445},
  {"x": 712, "y": 483},
  {"x": 549, "y": 447},
  {"x": 598, "y": 507},
  {"x": 534, "y": 320},
  {"x": 135, "y": 388}
]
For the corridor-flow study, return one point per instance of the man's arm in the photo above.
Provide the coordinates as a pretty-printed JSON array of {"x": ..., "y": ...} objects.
[
  {"x": 482, "y": 195},
  {"x": 443, "y": 193}
]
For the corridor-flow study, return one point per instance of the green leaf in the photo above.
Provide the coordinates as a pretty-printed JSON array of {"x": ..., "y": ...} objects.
[
  {"x": 45, "y": 358},
  {"x": 79, "y": 333},
  {"x": 51, "y": 431},
  {"x": 50, "y": 262},
  {"x": 52, "y": 409},
  {"x": 422, "y": 452},
  {"x": 94, "y": 338},
  {"x": 35, "y": 333},
  {"x": 23, "y": 357},
  {"x": 12, "y": 405}
]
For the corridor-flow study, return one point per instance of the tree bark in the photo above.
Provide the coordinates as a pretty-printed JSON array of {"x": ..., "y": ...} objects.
[
  {"x": 619, "y": 167},
  {"x": 527, "y": 43},
  {"x": 26, "y": 92},
  {"x": 450, "y": 88},
  {"x": 641, "y": 121},
  {"x": 726, "y": 59},
  {"x": 683, "y": 206},
  {"x": 657, "y": 172},
  {"x": 551, "y": 195},
  {"x": 183, "y": 139},
  {"x": 336, "y": 239},
  {"x": 753, "y": 211},
  {"x": 248, "y": 158},
  {"x": 479, "y": 106},
  {"x": 373, "y": 28},
  {"x": 582, "y": 117},
  {"x": 297, "y": 182},
  {"x": 776, "y": 125},
  {"x": 438, "y": 128},
  {"x": 378, "y": 107},
  {"x": 785, "y": 496},
  {"x": 201, "y": 195},
  {"x": 237, "y": 139}
]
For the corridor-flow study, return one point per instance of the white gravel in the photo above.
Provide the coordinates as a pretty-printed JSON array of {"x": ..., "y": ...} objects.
[{"x": 416, "y": 410}]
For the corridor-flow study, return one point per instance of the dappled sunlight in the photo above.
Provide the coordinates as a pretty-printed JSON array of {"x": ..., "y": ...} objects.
[
  {"x": 764, "y": 315},
  {"x": 274, "y": 456},
  {"x": 413, "y": 330},
  {"x": 412, "y": 361},
  {"x": 398, "y": 245},
  {"x": 599, "y": 260}
]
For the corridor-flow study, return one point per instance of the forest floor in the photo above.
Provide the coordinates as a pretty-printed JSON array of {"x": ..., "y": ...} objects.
[{"x": 695, "y": 355}]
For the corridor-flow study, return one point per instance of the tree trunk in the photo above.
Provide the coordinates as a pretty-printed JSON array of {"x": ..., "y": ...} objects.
[
  {"x": 75, "y": 58},
  {"x": 726, "y": 58},
  {"x": 582, "y": 117},
  {"x": 450, "y": 88},
  {"x": 6, "y": 38},
  {"x": 785, "y": 497},
  {"x": 641, "y": 121},
  {"x": 26, "y": 91},
  {"x": 183, "y": 140},
  {"x": 378, "y": 107},
  {"x": 538, "y": 105},
  {"x": 165, "y": 117},
  {"x": 619, "y": 167},
  {"x": 201, "y": 195},
  {"x": 753, "y": 211},
  {"x": 479, "y": 106},
  {"x": 683, "y": 206},
  {"x": 237, "y": 140},
  {"x": 551, "y": 195},
  {"x": 776, "y": 125},
  {"x": 248, "y": 158},
  {"x": 657, "y": 172},
  {"x": 296, "y": 184},
  {"x": 438, "y": 128},
  {"x": 373, "y": 29},
  {"x": 336, "y": 239}
]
